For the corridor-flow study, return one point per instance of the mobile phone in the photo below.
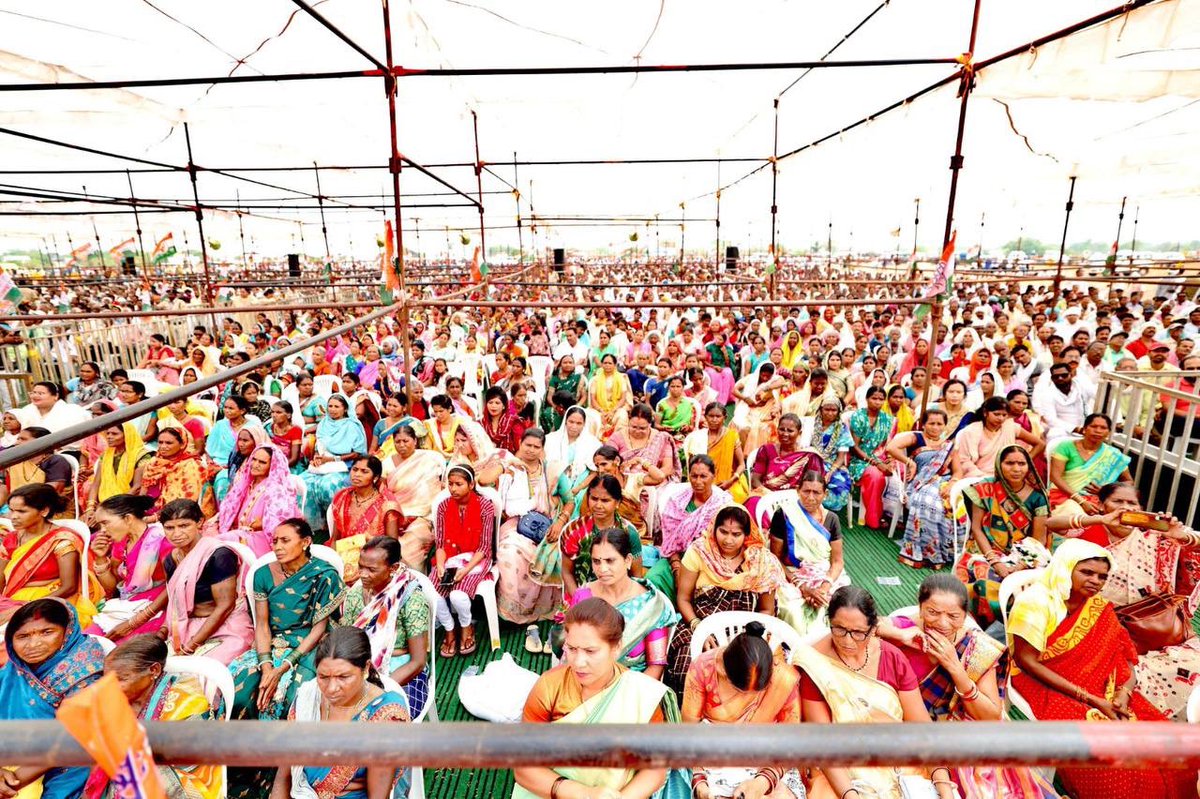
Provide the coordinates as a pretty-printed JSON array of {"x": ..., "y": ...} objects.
[{"x": 1145, "y": 521}]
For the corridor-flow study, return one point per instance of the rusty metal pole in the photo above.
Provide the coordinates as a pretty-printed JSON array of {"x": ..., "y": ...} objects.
[
  {"x": 208, "y": 286},
  {"x": 1062, "y": 247},
  {"x": 517, "y": 197},
  {"x": 479, "y": 187},
  {"x": 137, "y": 223},
  {"x": 771, "y": 284},
  {"x": 324, "y": 230},
  {"x": 389, "y": 82},
  {"x": 956, "y": 164}
]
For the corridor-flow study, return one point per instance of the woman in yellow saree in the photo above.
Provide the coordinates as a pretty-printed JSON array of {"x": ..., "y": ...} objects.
[
  {"x": 609, "y": 393},
  {"x": 722, "y": 443},
  {"x": 139, "y": 665},
  {"x": 852, "y": 676},
  {"x": 590, "y": 687},
  {"x": 39, "y": 559}
]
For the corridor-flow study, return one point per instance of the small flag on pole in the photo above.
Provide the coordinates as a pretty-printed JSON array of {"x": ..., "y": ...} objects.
[
  {"x": 79, "y": 252},
  {"x": 479, "y": 269},
  {"x": 1111, "y": 260},
  {"x": 121, "y": 248},
  {"x": 943, "y": 277},
  {"x": 164, "y": 248},
  {"x": 390, "y": 278},
  {"x": 100, "y": 719}
]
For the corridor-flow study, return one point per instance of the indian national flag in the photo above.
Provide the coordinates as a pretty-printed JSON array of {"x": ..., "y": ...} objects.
[
  {"x": 389, "y": 277},
  {"x": 1111, "y": 260},
  {"x": 117, "y": 251},
  {"x": 164, "y": 248},
  {"x": 79, "y": 252},
  {"x": 479, "y": 269}
]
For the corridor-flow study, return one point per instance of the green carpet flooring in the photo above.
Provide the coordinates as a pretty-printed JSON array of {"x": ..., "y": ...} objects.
[{"x": 870, "y": 559}]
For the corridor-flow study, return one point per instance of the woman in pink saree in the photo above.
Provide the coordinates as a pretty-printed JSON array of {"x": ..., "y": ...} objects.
[
  {"x": 207, "y": 611},
  {"x": 261, "y": 497}
]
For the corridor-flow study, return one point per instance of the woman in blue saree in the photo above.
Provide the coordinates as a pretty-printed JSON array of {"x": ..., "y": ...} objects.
[
  {"x": 222, "y": 441},
  {"x": 340, "y": 440},
  {"x": 347, "y": 688},
  {"x": 49, "y": 660},
  {"x": 927, "y": 468}
]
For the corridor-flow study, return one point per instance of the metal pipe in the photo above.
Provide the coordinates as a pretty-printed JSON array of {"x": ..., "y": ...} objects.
[
  {"x": 774, "y": 280},
  {"x": 637, "y": 69},
  {"x": 477, "y": 744},
  {"x": 658, "y": 304},
  {"x": 479, "y": 186},
  {"x": 137, "y": 222},
  {"x": 191, "y": 168},
  {"x": 312, "y": 12},
  {"x": 967, "y": 74},
  {"x": 1062, "y": 248}
]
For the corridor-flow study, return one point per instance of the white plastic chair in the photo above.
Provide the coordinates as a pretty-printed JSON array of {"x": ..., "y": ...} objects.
[
  {"x": 146, "y": 377},
  {"x": 79, "y": 526},
  {"x": 724, "y": 626},
  {"x": 1193, "y": 706},
  {"x": 487, "y": 588},
  {"x": 325, "y": 386},
  {"x": 956, "y": 496},
  {"x": 539, "y": 368},
  {"x": 431, "y": 597},
  {"x": 105, "y": 644},
  {"x": 1010, "y": 588},
  {"x": 74, "y": 462},
  {"x": 301, "y": 491},
  {"x": 214, "y": 677}
]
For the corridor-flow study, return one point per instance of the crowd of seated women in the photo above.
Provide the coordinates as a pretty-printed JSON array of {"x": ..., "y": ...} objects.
[{"x": 308, "y": 526}]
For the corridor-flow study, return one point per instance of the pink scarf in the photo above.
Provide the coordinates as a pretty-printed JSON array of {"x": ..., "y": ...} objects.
[{"x": 680, "y": 527}]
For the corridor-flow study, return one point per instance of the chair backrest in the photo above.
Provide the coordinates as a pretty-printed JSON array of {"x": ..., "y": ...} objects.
[
  {"x": 497, "y": 504},
  {"x": 74, "y": 462},
  {"x": 961, "y": 531},
  {"x": 215, "y": 678},
  {"x": 144, "y": 376},
  {"x": 78, "y": 526},
  {"x": 724, "y": 626},
  {"x": 1012, "y": 586},
  {"x": 325, "y": 386},
  {"x": 1193, "y": 706},
  {"x": 301, "y": 488},
  {"x": 539, "y": 368},
  {"x": 105, "y": 644}
]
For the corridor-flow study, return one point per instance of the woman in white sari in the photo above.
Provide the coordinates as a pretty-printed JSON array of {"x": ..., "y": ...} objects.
[{"x": 572, "y": 446}]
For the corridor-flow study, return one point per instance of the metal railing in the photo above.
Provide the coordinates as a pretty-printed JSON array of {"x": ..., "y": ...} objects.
[
  {"x": 1164, "y": 445},
  {"x": 481, "y": 745}
]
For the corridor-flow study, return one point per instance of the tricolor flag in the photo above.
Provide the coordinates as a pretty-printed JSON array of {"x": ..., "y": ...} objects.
[
  {"x": 943, "y": 276},
  {"x": 389, "y": 278},
  {"x": 79, "y": 252},
  {"x": 479, "y": 269},
  {"x": 164, "y": 248},
  {"x": 100, "y": 719},
  {"x": 1111, "y": 260},
  {"x": 117, "y": 251},
  {"x": 10, "y": 292}
]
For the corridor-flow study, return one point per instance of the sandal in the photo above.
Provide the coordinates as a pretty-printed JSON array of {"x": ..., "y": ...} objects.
[
  {"x": 449, "y": 645},
  {"x": 533, "y": 639},
  {"x": 469, "y": 644}
]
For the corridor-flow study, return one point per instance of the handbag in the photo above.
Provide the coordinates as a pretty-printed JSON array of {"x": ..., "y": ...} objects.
[
  {"x": 533, "y": 525},
  {"x": 1156, "y": 621}
]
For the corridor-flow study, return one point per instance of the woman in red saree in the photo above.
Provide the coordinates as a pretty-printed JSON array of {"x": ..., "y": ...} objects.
[{"x": 1075, "y": 663}]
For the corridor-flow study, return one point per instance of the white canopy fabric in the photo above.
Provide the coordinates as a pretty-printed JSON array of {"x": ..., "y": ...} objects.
[{"x": 1114, "y": 105}]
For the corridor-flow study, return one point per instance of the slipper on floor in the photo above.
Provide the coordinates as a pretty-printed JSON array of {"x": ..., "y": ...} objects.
[
  {"x": 464, "y": 649},
  {"x": 533, "y": 639}
]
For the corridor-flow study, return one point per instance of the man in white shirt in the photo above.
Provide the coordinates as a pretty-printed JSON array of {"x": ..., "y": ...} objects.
[
  {"x": 1092, "y": 363},
  {"x": 572, "y": 346},
  {"x": 1063, "y": 403}
]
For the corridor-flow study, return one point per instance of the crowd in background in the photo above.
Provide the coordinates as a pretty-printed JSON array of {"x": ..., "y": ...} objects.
[{"x": 328, "y": 524}]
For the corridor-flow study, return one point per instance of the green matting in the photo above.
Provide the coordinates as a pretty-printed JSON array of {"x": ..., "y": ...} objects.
[{"x": 869, "y": 555}]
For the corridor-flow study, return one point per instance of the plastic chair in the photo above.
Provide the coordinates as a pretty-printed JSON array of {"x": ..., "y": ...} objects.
[
  {"x": 1193, "y": 706},
  {"x": 85, "y": 532},
  {"x": 1010, "y": 588},
  {"x": 431, "y": 596},
  {"x": 956, "y": 496},
  {"x": 214, "y": 677},
  {"x": 107, "y": 645},
  {"x": 487, "y": 588},
  {"x": 325, "y": 386},
  {"x": 301, "y": 491},
  {"x": 71, "y": 459},
  {"x": 146, "y": 377},
  {"x": 724, "y": 626}
]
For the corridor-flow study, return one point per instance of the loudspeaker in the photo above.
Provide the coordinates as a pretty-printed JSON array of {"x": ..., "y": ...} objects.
[
  {"x": 731, "y": 258},
  {"x": 293, "y": 265},
  {"x": 560, "y": 259},
  {"x": 127, "y": 266}
]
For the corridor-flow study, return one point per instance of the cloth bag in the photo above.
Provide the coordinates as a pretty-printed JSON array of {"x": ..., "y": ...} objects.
[{"x": 498, "y": 693}]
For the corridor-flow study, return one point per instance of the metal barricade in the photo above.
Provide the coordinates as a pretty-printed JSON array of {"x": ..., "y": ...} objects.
[{"x": 1158, "y": 427}]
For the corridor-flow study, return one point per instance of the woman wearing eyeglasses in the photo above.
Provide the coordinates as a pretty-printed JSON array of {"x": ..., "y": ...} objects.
[{"x": 851, "y": 676}]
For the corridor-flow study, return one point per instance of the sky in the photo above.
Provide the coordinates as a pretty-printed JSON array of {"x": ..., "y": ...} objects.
[{"x": 1113, "y": 106}]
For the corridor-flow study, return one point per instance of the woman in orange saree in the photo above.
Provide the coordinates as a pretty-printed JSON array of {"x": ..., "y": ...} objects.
[{"x": 1076, "y": 663}]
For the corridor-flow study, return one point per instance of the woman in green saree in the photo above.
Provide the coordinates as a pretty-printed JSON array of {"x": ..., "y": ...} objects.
[
  {"x": 648, "y": 613},
  {"x": 562, "y": 378},
  {"x": 676, "y": 414},
  {"x": 591, "y": 687}
]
